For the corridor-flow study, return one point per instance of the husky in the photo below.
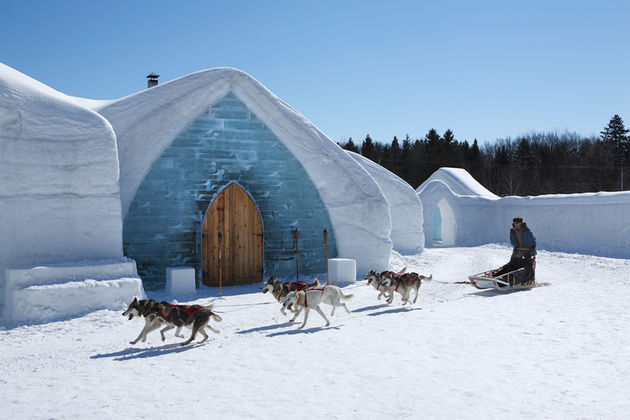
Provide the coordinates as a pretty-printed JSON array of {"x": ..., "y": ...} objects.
[
  {"x": 195, "y": 317},
  {"x": 141, "y": 308},
  {"x": 404, "y": 284},
  {"x": 375, "y": 279},
  {"x": 311, "y": 298},
  {"x": 281, "y": 290}
]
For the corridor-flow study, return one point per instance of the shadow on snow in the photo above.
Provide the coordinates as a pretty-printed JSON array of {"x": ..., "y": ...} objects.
[
  {"x": 141, "y": 353},
  {"x": 306, "y": 331}
]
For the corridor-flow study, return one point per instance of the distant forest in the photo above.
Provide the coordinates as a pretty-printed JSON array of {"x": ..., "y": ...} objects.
[{"x": 532, "y": 164}]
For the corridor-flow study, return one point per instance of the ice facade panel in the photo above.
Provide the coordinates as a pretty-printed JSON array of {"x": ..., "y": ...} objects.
[{"x": 226, "y": 144}]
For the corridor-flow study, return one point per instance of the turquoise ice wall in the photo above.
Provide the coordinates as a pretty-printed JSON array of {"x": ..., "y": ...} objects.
[{"x": 226, "y": 144}]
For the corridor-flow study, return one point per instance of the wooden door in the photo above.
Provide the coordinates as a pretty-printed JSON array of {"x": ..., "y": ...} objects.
[{"x": 232, "y": 240}]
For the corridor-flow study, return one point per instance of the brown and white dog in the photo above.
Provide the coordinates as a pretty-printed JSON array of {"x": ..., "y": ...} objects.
[
  {"x": 403, "y": 284},
  {"x": 280, "y": 290},
  {"x": 311, "y": 298},
  {"x": 141, "y": 308},
  {"x": 194, "y": 317}
]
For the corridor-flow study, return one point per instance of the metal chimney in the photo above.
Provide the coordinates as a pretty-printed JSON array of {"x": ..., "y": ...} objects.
[{"x": 152, "y": 80}]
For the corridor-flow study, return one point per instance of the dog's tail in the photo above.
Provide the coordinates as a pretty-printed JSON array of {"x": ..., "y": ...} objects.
[
  {"x": 424, "y": 278},
  {"x": 212, "y": 314},
  {"x": 315, "y": 282},
  {"x": 402, "y": 271},
  {"x": 345, "y": 297}
]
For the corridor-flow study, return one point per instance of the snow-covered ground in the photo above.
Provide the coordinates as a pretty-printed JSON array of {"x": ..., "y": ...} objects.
[{"x": 552, "y": 352}]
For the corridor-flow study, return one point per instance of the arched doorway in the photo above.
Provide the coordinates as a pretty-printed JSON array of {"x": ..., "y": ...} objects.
[
  {"x": 436, "y": 226},
  {"x": 232, "y": 240},
  {"x": 448, "y": 225}
]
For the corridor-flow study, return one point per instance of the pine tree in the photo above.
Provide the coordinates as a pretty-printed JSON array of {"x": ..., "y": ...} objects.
[
  {"x": 616, "y": 135},
  {"x": 368, "y": 149},
  {"x": 350, "y": 146}
]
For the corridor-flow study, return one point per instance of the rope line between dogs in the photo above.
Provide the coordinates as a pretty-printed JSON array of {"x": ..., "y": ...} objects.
[
  {"x": 240, "y": 306},
  {"x": 451, "y": 282}
]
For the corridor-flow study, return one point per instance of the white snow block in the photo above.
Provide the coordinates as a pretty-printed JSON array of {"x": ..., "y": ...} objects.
[
  {"x": 62, "y": 291},
  {"x": 342, "y": 270},
  {"x": 180, "y": 281}
]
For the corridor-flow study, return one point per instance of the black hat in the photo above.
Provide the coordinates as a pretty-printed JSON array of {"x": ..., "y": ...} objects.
[{"x": 517, "y": 220}]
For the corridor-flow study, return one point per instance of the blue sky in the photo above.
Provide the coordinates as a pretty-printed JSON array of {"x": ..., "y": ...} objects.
[{"x": 484, "y": 69}]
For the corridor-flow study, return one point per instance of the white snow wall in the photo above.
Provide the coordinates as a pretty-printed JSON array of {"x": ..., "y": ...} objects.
[
  {"x": 404, "y": 206},
  {"x": 590, "y": 223},
  {"x": 59, "y": 193}
]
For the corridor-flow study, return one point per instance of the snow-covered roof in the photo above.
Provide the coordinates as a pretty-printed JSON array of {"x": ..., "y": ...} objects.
[{"x": 459, "y": 181}]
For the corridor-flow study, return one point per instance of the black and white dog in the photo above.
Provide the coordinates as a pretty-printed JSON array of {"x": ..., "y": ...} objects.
[
  {"x": 194, "y": 317},
  {"x": 403, "y": 284}
]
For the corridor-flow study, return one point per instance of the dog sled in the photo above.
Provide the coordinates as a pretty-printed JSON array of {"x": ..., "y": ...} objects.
[{"x": 513, "y": 280}]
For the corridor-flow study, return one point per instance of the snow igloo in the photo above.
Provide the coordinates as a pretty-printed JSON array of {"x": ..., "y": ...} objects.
[
  {"x": 210, "y": 171},
  {"x": 459, "y": 211}
]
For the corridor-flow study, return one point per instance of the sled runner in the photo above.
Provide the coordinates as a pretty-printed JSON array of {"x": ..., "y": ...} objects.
[{"x": 505, "y": 282}]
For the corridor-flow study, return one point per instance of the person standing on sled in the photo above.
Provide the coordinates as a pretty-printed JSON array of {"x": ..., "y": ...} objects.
[{"x": 524, "y": 244}]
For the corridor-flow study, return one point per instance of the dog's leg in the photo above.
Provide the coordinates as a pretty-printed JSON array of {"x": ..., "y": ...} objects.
[
  {"x": 163, "y": 330},
  {"x": 142, "y": 335},
  {"x": 178, "y": 333},
  {"x": 390, "y": 298},
  {"x": 213, "y": 330},
  {"x": 319, "y": 311},
  {"x": 195, "y": 328},
  {"x": 203, "y": 332},
  {"x": 299, "y": 310},
  {"x": 417, "y": 291},
  {"x": 336, "y": 301},
  {"x": 150, "y": 328},
  {"x": 306, "y": 311}
]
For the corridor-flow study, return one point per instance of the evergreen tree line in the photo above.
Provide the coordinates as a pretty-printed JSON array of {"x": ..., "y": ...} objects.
[{"x": 532, "y": 164}]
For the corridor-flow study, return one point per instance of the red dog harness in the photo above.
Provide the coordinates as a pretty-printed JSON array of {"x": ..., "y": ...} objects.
[
  {"x": 188, "y": 310},
  {"x": 299, "y": 285},
  {"x": 306, "y": 299},
  {"x": 410, "y": 277}
]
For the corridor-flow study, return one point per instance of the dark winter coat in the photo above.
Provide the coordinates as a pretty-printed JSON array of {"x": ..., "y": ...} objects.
[{"x": 527, "y": 237}]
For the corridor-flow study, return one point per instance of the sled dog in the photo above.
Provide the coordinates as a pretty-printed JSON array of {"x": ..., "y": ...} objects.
[
  {"x": 194, "y": 317},
  {"x": 404, "y": 284},
  {"x": 280, "y": 290},
  {"x": 141, "y": 308},
  {"x": 311, "y": 298},
  {"x": 375, "y": 279}
]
